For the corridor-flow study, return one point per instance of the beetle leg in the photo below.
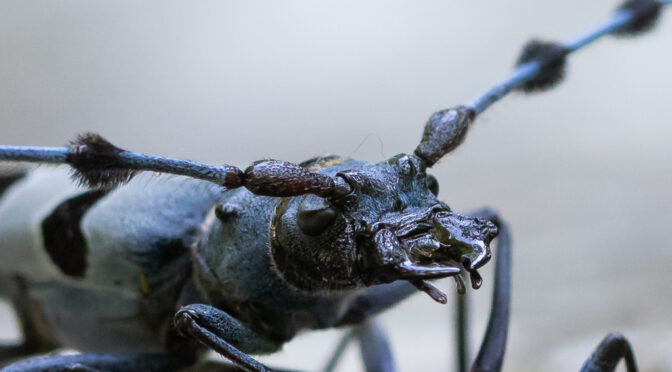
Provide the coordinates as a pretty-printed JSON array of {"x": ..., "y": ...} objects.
[
  {"x": 608, "y": 353},
  {"x": 224, "y": 334},
  {"x": 98, "y": 362},
  {"x": 491, "y": 353},
  {"x": 376, "y": 299},
  {"x": 375, "y": 347},
  {"x": 338, "y": 352},
  {"x": 462, "y": 331}
]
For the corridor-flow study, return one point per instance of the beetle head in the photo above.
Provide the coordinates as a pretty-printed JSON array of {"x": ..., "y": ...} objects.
[{"x": 389, "y": 227}]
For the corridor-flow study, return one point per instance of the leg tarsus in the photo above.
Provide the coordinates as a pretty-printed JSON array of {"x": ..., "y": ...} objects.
[{"x": 608, "y": 353}]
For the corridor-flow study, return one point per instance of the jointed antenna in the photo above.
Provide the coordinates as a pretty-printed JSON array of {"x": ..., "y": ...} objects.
[
  {"x": 98, "y": 163},
  {"x": 540, "y": 67},
  {"x": 541, "y": 64}
]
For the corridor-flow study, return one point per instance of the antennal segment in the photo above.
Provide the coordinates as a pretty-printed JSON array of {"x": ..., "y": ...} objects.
[
  {"x": 97, "y": 163},
  {"x": 632, "y": 18},
  {"x": 540, "y": 67},
  {"x": 34, "y": 154}
]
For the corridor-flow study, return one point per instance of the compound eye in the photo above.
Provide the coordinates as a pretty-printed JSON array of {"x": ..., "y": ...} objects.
[
  {"x": 433, "y": 185},
  {"x": 315, "y": 216}
]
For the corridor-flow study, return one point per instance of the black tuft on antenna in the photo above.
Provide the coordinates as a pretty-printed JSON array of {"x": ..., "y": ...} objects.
[
  {"x": 552, "y": 60},
  {"x": 95, "y": 162},
  {"x": 645, "y": 16}
]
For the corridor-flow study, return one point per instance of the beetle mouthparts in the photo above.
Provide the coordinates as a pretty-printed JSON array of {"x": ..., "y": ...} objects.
[
  {"x": 422, "y": 246},
  {"x": 438, "y": 295},
  {"x": 464, "y": 239},
  {"x": 433, "y": 292},
  {"x": 450, "y": 240},
  {"x": 459, "y": 282}
]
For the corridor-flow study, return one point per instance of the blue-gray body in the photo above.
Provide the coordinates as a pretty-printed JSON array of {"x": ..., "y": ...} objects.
[{"x": 152, "y": 246}]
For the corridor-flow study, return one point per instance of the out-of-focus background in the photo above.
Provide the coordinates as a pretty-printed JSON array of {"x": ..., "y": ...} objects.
[{"x": 582, "y": 173}]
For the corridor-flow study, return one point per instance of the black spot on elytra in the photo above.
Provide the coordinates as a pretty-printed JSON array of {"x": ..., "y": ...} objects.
[
  {"x": 7, "y": 180},
  {"x": 62, "y": 233}
]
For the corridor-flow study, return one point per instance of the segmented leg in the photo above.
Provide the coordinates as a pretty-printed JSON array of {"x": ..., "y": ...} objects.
[
  {"x": 375, "y": 348},
  {"x": 608, "y": 353},
  {"x": 373, "y": 345},
  {"x": 224, "y": 334},
  {"x": 376, "y": 299},
  {"x": 97, "y": 363},
  {"x": 338, "y": 352},
  {"x": 462, "y": 331},
  {"x": 491, "y": 353}
]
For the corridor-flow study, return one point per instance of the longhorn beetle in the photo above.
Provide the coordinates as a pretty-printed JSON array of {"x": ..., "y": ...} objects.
[{"x": 239, "y": 261}]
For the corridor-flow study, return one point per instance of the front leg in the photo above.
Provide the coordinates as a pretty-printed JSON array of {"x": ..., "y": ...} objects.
[
  {"x": 224, "y": 334},
  {"x": 375, "y": 300},
  {"x": 608, "y": 353},
  {"x": 491, "y": 353}
]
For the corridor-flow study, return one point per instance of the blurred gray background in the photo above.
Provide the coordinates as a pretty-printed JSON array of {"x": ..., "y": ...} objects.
[{"x": 582, "y": 173}]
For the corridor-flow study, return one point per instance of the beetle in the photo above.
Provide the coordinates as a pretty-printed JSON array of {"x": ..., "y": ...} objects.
[{"x": 90, "y": 142}]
